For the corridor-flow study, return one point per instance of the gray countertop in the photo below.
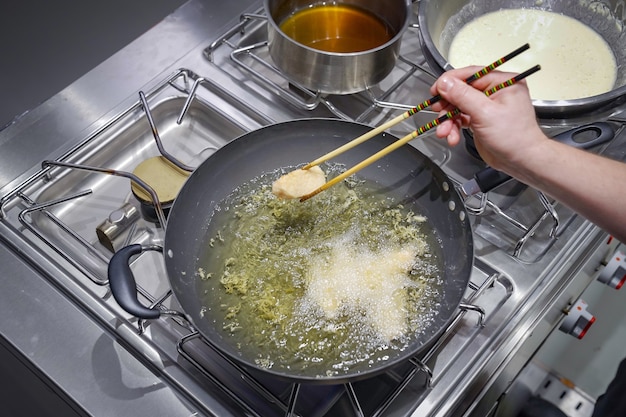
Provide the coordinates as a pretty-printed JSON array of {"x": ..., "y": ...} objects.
[
  {"x": 54, "y": 43},
  {"x": 40, "y": 321},
  {"x": 66, "y": 346}
]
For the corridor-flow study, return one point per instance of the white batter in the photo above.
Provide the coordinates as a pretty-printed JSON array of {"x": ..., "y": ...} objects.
[{"x": 575, "y": 61}]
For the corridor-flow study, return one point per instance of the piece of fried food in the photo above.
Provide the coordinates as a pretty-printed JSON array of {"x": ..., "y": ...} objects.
[{"x": 299, "y": 183}]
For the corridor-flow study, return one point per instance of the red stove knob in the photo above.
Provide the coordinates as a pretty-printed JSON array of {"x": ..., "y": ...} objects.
[
  {"x": 614, "y": 273},
  {"x": 578, "y": 320}
]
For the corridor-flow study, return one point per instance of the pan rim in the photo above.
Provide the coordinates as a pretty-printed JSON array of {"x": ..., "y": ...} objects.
[{"x": 462, "y": 280}]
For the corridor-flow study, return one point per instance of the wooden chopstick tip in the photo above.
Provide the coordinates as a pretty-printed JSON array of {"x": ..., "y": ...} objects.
[{"x": 312, "y": 194}]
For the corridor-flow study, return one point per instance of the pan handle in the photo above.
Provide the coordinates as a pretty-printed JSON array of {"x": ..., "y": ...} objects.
[
  {"x": 583, "y": 137},
  {"x": 123, "y": 284}
]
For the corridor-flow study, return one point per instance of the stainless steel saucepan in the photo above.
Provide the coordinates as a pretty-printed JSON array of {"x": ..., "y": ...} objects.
[{"x": 336, "y": 72}]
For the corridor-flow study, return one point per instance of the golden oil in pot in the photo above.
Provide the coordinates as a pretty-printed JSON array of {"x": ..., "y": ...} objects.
[{"x": 337, "y": 28}]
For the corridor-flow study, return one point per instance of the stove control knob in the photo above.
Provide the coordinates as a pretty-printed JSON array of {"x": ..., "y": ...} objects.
[
  {"x": 578, "y": 320},
  {"x": 614, "y": 273}
]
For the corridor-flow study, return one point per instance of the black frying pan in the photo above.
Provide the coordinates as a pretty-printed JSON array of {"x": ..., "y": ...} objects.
[{"x": 406, "y": 174}]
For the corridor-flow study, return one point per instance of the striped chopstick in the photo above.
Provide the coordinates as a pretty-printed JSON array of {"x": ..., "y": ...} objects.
[
  {"x": 421, "y": 130},
  {"x": 484, "y": 71},
  {"x": 370, "y": 134}
]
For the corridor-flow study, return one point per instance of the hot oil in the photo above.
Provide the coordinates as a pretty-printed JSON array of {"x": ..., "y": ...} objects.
[
  {"x": 337, "y": 28},
  {"x": 265, "y": 291}
]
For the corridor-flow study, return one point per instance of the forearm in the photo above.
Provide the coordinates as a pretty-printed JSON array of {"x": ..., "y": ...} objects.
[{"x": 592, "y": 185}]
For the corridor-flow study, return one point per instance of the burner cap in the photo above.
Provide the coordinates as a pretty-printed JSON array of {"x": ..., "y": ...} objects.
[{"x": 164, "y": 177}]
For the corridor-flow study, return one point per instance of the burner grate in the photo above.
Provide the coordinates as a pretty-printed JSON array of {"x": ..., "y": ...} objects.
[{"x": 253, "y": 58}]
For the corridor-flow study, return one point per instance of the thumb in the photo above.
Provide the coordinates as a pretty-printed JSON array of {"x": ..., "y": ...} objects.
[{"x": 458, "y": 93}]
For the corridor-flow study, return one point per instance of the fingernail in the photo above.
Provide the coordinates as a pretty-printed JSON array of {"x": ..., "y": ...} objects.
[{"x": 445, "y": 84}]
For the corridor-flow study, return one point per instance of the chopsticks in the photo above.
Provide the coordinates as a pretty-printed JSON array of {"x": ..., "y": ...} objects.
[
  {"x": 421, "y": 130},
  {"x": 370, "y": 134}
]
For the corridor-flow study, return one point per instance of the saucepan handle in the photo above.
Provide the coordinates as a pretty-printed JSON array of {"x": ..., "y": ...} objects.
[
  {"x": 123, "y": 284},
  {"x": 583, "y": 137}
]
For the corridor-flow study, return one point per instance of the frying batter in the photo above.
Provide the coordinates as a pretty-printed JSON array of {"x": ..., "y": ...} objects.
[
  {"x": 299, "y": 183},
  {"x": 575, "y": 61}
]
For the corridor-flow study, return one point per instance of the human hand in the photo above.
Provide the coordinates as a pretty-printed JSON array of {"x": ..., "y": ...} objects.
[
  {"x": 504, "y": 125},
  {"x": 508, "y": 138}
]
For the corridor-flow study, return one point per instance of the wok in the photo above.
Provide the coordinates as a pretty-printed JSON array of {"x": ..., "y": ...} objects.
[
  {"x": 440, "y": 21},
  {"x": 406, "y": 174}
]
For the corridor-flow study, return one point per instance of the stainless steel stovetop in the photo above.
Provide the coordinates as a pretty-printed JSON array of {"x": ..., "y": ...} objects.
[{"x": 528, "y": 247}]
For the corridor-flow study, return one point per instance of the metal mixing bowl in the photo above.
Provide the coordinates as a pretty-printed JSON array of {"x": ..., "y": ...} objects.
[{"x": 440, "y": 21}]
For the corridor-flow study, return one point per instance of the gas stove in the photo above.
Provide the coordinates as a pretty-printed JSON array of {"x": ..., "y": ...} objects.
[{"x": 77, "y": 208}]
